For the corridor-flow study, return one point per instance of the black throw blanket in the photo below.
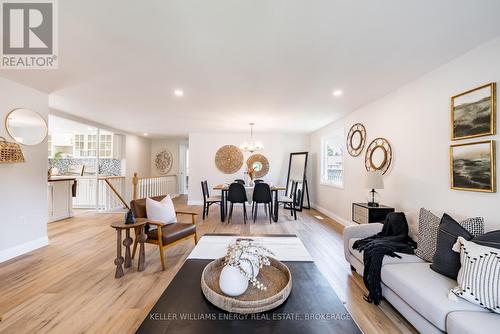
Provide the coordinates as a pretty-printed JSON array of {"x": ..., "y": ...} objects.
[{"x": 393, "y": 238}]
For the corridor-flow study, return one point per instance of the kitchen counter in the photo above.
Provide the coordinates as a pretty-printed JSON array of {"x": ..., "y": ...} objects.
[{"x": 61, "y": 178}]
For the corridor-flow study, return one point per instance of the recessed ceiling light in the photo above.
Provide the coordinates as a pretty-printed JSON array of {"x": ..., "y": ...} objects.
[
  {"x": 337, "y": 93},
  {"x": 178, "y": 93},
  {"x": 146, "y": 134}
]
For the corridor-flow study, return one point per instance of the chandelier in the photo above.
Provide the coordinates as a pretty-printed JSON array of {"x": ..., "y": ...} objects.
[{"x": 251, "y": 146}]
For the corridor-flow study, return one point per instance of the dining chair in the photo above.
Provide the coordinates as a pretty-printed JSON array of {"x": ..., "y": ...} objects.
[
  {"x": 240, "y": 181},
  {"x": 258, "y": 181},
  {"x": 289, "y": 201},
  {"x": 207, "y": 200},
  {"x": 237, "y": 194},
  {"x": 262, "y": 194}
]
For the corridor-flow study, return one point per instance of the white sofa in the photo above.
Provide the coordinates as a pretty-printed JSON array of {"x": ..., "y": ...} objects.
[{"x": 419, "y": 293}]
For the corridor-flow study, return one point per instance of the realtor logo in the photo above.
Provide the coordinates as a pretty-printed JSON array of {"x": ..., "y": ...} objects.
[{"x": 29, "y": 35}]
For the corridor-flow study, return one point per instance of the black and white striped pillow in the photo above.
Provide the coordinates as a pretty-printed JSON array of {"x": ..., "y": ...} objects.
[{"x": 479, "y": 277}]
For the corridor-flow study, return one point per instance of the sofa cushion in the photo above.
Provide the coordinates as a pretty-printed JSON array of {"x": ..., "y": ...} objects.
[
  {"x": 479, "y": 276},
  {"x": 446, "y": 261},
  {"x": 425, "y": 291},
  {"x": 428, "y": 226},
  {"x": 472, "y": 322},
  {"x": 405, "y": 258}
]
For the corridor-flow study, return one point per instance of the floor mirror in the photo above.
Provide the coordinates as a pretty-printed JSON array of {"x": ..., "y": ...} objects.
[{"x": 297, "y": 168}]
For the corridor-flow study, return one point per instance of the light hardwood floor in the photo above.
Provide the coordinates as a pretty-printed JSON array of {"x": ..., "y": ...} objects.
[{"x": 69, "y": 286}]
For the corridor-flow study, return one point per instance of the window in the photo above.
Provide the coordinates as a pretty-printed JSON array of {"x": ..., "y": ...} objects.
[
  {"x": 332, "y": 160},
  {"x": 106, "y": 146}
]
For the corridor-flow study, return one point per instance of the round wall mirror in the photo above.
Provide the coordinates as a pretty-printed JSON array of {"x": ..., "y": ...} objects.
[
  {"x": 26, "y": 127},
  {"x": 259, "y": 164},
  {"x": 378, "y": 156},
  {"x": 356, "y": 139}
]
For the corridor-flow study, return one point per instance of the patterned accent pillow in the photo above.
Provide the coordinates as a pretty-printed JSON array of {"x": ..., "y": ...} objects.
[
  {"x": 475, "y": 225},
  {"x": 479, "y": 277},
  {"x": 428, "y": 226}
]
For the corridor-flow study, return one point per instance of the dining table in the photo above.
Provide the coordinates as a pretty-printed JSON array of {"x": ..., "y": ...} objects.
[{"x": 224, "y": 188}]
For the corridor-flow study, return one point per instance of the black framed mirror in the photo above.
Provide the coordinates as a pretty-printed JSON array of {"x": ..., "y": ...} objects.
[{"x": 297, "y": 169}]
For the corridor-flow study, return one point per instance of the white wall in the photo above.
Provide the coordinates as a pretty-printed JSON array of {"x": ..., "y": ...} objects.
[
  {"x": 416, "y": 121},
  {"x": 138, "y": 160},
  {"x": 23, "y": 186},
  {"x": 203, "y": 146}
]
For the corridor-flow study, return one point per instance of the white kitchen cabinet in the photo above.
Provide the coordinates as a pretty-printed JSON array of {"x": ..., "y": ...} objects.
[{"x": 60, "y": 202}]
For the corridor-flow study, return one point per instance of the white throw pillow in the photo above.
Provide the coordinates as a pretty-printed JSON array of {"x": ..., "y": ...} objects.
[
  {"x": 479, "y": 276},
  {"x": 163, "y": 212}
]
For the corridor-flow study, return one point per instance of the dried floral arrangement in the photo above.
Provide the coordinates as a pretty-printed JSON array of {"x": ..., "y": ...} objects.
[
  {"x": 247, "y": 251},
  {"x": 251, "y": 172}
]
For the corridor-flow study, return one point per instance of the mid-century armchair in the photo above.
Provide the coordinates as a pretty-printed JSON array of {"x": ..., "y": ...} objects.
[{"x": 165, "y": 234}]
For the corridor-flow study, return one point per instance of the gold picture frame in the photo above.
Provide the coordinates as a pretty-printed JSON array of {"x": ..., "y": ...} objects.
[
  {"x": 468, "y": 173},
  {"x": 473, "y": 113}
]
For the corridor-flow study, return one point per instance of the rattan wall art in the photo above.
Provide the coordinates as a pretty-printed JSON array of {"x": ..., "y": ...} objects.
[
  {"x": 164, "y": 161},
  {"x": 10, "y": 152},
  {"x": 378, "y": 156},
  {"x": 356, "y": 139},
  {"x": 229, "y": 159},
  {"x": 259, "y": 164}
]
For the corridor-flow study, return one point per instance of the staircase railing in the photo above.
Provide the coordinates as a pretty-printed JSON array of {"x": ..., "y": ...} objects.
[
  {"x": 153, "y": 186},
  {"x": 114, "y": 183}
]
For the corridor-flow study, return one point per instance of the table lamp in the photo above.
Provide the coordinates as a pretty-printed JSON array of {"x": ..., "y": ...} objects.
[{"x": 374, "y": 181}]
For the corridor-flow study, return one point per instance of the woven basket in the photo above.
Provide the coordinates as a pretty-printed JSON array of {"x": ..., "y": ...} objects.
[{"x": 10, "y": 152}]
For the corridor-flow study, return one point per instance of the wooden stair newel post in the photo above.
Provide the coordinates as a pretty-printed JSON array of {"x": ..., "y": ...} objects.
[{"x": 135, "y": 180}]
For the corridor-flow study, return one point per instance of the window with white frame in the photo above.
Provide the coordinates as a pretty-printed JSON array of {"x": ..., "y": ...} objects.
[{"x": 332, "y": 159}]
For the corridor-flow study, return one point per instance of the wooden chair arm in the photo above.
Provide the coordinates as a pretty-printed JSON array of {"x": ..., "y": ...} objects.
[
  {"x": 186, "y": 213},
  {"x": 193, "y": 215},
  {"x": 156, "y": 223}
]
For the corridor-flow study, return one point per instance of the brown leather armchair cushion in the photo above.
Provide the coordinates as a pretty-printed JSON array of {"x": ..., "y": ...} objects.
[{"x": 170, "y": 233}]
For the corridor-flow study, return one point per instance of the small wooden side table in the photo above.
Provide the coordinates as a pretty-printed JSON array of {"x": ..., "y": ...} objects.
[
  {"x": 362, "y": 213},
  {"x": 119, "y": 261}
]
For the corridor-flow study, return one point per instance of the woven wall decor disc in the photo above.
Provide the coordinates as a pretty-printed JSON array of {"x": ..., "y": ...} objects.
[
  {"x": 164, "y": 161},
  {"x": 356, "y": 139},
  {"x": 229, "y": 159},
  {"x": 378, "y": 156},
  {"x": 258, "y": 160}
]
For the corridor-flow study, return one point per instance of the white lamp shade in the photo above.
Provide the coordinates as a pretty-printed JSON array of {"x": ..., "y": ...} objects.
[{"x": 374, "y": 180}]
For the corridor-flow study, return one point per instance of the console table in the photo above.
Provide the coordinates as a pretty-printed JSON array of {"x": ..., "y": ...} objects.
[{"x": 362, "y": 213}]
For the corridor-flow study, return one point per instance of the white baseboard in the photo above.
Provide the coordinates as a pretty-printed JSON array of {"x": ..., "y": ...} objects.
[
  {"x": 29, "y": 246},
  {"x": 332, "y": 215},
  {"x": 195, "y": 202}
]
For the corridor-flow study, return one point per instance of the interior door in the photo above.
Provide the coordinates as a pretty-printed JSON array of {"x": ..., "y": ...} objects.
[{"x": 183, "y": 168}]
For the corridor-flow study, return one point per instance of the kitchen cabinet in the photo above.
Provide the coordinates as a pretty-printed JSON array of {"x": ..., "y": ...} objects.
[{"x": 60, "y": 199}]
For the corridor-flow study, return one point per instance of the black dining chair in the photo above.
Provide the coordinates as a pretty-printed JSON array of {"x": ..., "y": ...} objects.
[
  {"x": 207, "y": 200},
  {"x": 290, "y": 201},
  {"x": 262, "y": 194},
  {"x": 258, "y": 181},
  {"x": 237, "y": 194},
  {"x": 240, "y": 181}
]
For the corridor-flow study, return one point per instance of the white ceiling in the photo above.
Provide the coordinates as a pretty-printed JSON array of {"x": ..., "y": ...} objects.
[{"x": 272, "y": 62}]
